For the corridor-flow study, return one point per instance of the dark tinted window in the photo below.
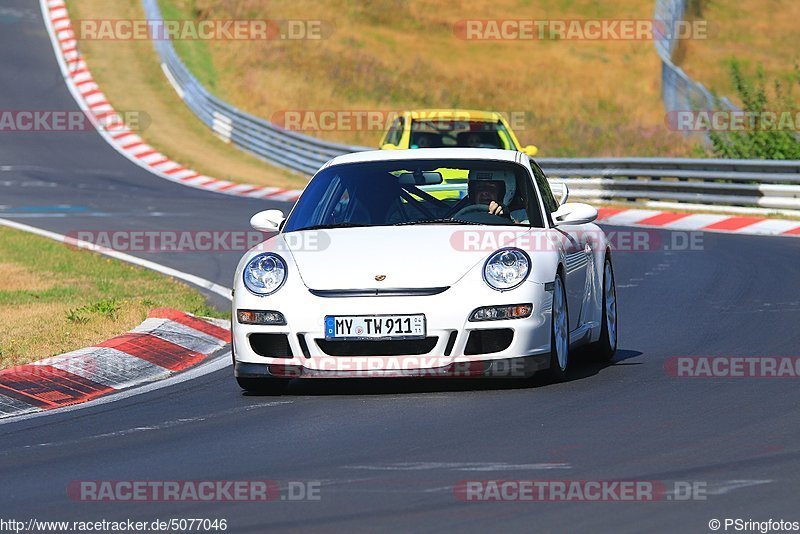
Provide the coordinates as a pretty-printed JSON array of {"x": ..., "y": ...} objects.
[
  {"x": 435, "y": 133},
  {"x": 420, "y": 191},
  {"x": 550, "y": 203},
  {"x": 395, "y": 131}
]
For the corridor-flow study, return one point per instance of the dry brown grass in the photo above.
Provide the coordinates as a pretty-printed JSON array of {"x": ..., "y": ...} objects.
[
  {"x": 582, "y": 97},
  {"x": 756, "y": 32},
  {"x": 16, "y": 277},
  {"x": 55, "y": 299},
  {"x": 24, "y": 337},
  {"x": 130, "y": 75}
]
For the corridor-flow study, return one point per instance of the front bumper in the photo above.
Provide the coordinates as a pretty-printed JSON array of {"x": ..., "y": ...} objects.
[
  {"x": 499, "y": 368},
  {"x": 448, "y": 331}
]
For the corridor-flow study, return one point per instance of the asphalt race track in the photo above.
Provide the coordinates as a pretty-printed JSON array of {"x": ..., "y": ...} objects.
[{"x": 387, "y": 454}]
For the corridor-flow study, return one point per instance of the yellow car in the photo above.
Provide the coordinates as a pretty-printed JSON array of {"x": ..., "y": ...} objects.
[
  {"x": 436, "y": 128},
  {"x": 452, "y": 128}
]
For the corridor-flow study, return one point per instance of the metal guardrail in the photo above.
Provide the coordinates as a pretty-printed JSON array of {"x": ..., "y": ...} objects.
[
  {"x": 767, "y": 197},
  {"x": 295, "y": 151},
  {"x": 758, "y": 183},
  {"x": 678, "y": 91},
  {"x": 732, "y": 166}
]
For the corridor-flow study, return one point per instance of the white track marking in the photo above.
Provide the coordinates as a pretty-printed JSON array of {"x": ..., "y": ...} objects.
[
  {"x": 169, "y": 271},
  {"x": 726, "y": 486},
  {"x": 459, "y": 466},
  {"x": 11, "y": 405},
  {"x": 211, "y": 366},
  {"x": 629, "y": 217},
  {"x": 204, "y": 369},
  {"x": 695, "y": 222},
  {"x": 160, "y": 426},
  {"x": 185, "y": 336},
  {"x": 107, "y": 366},
  {"x": 769, "y": 227}
]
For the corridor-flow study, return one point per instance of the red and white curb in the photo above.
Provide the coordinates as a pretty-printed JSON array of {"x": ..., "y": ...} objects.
[
  {"x": 167, "y": 342},
  {"x": 699, "y": 221},
  {"x": 110, "y": 125}
]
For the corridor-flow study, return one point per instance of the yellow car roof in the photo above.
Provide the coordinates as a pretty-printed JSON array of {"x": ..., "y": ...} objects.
[{"x": 453, "y": 114}]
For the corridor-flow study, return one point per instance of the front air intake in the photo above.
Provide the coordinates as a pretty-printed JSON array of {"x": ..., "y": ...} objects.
[
  {"x": 488, "y": 341},
  {"x": 271, "y": 345}
]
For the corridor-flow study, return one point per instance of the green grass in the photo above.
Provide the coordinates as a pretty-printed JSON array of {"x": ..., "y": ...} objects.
[
  {"x": 195, "y": 54},
  {"x": 55, "y": 298}
]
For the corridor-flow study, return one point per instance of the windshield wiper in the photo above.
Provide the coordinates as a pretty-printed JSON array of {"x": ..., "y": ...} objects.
[
  {"x": 331, "y": 226},
  {"x": 436, "y": 221}
]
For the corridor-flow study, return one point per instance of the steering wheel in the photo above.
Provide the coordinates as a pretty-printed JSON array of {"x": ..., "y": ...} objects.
[{"x": 472, "y": 208}]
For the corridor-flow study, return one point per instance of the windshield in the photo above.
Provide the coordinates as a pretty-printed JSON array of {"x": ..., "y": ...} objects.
[
  {"x": 409, "y": 192},
  {"x": 437, "y": 133}
]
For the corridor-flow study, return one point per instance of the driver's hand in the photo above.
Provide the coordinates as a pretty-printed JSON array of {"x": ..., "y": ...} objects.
[{"x": 495, "y": 208}]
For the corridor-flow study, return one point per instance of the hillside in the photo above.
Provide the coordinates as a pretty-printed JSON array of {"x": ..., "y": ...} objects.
[{"x": 579, "y": 97}]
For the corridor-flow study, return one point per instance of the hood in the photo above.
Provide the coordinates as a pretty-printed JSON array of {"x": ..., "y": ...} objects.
[{"x": 422, "y": 256}]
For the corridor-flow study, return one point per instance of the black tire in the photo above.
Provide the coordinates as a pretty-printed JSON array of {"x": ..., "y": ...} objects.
[
  {"x": 603, "y": 350},
  {"x": 556, "y": 373},
  {"x": 263, "y": 386}
]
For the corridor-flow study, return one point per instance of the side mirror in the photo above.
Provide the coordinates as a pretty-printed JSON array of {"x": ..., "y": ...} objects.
[
  {"x": 561, "y": 191},
  {"x": 574, "y": 213},
  {"x": 531, "y": 150},
  {"x": 267, "y": 221},
  {"x": 389, "y": 146}
]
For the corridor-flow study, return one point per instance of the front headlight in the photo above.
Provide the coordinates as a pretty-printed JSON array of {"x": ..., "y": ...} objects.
[
  {"x": 265, "y": 274},
  {"x": 506, "y": 269}
]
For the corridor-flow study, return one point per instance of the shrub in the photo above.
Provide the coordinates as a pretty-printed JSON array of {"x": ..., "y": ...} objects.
[{"x": 759, "y": 142}]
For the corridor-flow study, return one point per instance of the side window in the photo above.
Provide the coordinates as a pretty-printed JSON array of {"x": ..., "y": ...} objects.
[
  {"x": 507, "y": 144},
  {"x": 331, "y": 207},
  {"x": 348, "y": 206},
  {"x": 340, "y": 209},
  {"x": 395, "y": 132},
  {"x": 531, "y": 214},
  {"x": 550, "y": 203}
]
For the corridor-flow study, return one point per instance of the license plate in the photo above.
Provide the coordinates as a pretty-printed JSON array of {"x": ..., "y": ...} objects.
[{"x": 375, "y": 326}]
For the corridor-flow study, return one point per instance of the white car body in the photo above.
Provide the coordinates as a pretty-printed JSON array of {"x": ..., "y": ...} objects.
[{"x": 408, "y": 266}]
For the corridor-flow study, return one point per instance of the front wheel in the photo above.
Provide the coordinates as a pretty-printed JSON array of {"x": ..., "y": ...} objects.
[
  {"x": 263, "y": 386},
  {"x": 606, "y": 346},
  {"x": 559, "y": 333}
]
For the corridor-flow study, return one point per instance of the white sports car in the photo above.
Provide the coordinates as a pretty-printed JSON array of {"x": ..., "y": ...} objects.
[{"x": 372, "y": 275}]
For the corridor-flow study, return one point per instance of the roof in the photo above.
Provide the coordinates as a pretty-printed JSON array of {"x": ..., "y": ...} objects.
[
  {"x": 488, "y": 154},
  {"x": 453, "y": 114}
]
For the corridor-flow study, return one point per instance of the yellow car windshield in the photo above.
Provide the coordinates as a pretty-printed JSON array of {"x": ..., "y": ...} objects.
[{"x": 438, "y": 133}]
